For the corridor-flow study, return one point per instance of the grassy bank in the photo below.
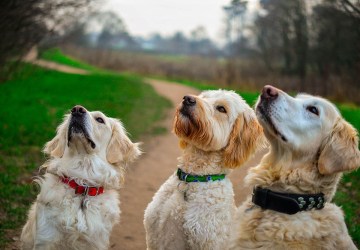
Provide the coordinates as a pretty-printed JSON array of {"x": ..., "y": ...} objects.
[
  {"x": 348, "y": 194},
  {"x": 33, "y": 103}
]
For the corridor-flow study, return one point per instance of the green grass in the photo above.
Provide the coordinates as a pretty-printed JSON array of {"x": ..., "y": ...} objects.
[
  {"x": 33, "y": 104},
  {"x": 348, "y": 193},
  {"x": 55, "y": 55}
]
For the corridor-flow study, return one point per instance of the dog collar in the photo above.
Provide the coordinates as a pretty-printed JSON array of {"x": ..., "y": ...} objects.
[
  {"x": 198, "y": 178},
  {"x": 82, "y": 189},
  {"x": 288, "y": 203}
]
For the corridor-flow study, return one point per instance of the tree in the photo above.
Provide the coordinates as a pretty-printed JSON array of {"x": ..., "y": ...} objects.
[
  {"x": 200, "y": 43},
  {"x": 283, "y": 29},
  {"x": 235, "y": 14},
  {"x": 337, "y": 35},
  {"x": 24, "y": 23}
]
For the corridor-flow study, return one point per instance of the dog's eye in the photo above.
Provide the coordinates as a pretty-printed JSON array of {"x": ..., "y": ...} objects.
[
  {"x": 221, "y": 109},
  {"x": 100, "y": 120},
  {"x": 313, "y": 110}
]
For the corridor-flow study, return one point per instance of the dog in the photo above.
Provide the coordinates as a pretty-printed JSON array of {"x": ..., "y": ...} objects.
[
  {"x": 310, "y": 146},
  {"x": 78, "y": 203},
  {"x": 194, "y": 208}
]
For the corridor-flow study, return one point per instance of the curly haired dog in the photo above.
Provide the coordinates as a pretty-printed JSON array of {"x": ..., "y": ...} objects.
[
  {"x": 310, "y": 146},
  {"x": 78, "y": 203},
  {"x": 194, "y": 208}
]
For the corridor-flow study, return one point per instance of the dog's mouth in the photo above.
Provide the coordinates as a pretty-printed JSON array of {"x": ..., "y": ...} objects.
[
  {"x": 264, "y": 116},
  {"x": 76, "y": 128},
  {"x": 186, "y": 111}
]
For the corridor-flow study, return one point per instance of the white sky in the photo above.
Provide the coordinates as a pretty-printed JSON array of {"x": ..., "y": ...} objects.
[{"x": 143, "y": 17}]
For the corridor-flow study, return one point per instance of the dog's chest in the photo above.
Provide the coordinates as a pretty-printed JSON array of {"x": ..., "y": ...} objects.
[{"x": 78, "y": 213}]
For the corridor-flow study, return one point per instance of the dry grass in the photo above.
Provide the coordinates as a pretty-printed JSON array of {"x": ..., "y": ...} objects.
[{"x": 249, "y": 75}]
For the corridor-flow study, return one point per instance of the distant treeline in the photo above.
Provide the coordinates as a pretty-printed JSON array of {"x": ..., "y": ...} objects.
[
  {"x": 113, "y": 34},
  {"x": 248, "y": 74},
  {"x": 303, "y": 45},
  {"x": 307, "y": 45}
]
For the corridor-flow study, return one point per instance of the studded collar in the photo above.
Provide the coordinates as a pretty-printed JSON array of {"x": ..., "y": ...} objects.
[{"x": 288, "y": 203}]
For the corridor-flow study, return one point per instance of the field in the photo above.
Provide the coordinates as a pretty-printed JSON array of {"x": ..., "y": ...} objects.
[
  {"x": 245, "y": 74},
  {"x": 33, "y": 103}
]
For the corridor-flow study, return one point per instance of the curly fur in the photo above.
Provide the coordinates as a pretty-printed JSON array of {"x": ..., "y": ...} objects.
[{"x": 198, "y": 215}]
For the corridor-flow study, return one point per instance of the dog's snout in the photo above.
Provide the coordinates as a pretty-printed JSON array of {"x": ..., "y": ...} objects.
[
  {"x": 269, "y": 92},
  {"x": 189, "y": 100},
  {"x": 78, "y": 110}
]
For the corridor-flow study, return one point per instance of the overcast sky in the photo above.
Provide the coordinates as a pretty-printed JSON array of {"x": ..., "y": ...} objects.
[{"x": 143, "y": 17}]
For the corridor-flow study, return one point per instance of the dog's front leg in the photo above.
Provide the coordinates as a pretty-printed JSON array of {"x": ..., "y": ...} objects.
[{"x": 29, "y": 230}]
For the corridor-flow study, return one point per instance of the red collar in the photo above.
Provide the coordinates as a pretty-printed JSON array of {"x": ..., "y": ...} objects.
[{"x": 79, "y": 189}]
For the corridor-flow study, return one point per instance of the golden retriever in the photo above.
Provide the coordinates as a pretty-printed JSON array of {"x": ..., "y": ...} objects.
[
  {"x": 78, "y": 203},
  {"x": 310, "y": 146},
  {"x": 194, "y": 208}
]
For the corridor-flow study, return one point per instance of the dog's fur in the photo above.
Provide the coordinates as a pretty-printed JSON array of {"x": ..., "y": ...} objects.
[
  {"x": 198, "y": 215},
  {"x": 94, "y": 154},
  {"x": 308, "y": 153}
]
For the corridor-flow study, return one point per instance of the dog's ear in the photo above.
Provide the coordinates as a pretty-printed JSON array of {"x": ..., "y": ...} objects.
[
  {"x": 121, "y": 150},
  {"x": 246, "y": 136},
  {"x": 56, "y": 146},
  {"x": 340, "y": 151}
]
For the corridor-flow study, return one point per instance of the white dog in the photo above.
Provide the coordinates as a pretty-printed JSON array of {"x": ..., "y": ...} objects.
[
  {"x": 311, "y": 145},
  {"x": 78, "y": 203},
  {"x": 194, "y": 208}
]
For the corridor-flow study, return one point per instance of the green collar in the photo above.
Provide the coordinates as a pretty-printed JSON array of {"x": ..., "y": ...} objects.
[{"x": 198, "y": 178}]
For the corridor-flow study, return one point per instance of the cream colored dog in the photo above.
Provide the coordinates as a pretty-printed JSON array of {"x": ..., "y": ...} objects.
[
  {"x": 78, "y": 203},
  {"x": 311, "y": 145},
  {"x": 218, "y": 131}
]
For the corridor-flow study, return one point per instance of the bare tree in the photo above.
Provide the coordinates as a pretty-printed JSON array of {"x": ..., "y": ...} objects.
[
  {"x": 24, "y": 23},
  {"x": 235, "y": 19}
]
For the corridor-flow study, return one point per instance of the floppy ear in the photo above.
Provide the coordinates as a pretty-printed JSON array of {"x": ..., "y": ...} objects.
[
  {"x": 246, "y": 136},
  {"x": 56, "y": 146},
  {"x": 120, "y": 149},
  {"x": 340, "y": 150}
]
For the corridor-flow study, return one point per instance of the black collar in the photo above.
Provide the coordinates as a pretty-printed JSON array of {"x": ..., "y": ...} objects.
[{"x": 287, "y": 203}]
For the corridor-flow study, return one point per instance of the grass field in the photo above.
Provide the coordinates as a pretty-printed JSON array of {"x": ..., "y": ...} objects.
[
  {"x": 33, "y": 103},
  {"x": 56, "y": 55},
  {"x": 348, "y": 194}
]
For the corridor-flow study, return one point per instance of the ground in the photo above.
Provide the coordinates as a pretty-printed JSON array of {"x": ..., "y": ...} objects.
[{"x": 145, "y": 177}]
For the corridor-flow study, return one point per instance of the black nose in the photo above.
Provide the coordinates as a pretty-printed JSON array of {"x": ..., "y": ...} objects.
[
  {"x": 189, "y": 100},
  {"x": 78, "y": 110},
  {"x": 269, "y": 93}
]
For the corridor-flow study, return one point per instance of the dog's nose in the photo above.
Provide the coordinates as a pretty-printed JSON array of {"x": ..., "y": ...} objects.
[
  {"x": 189, "y": 100},
  {"x": 78, "y": 110},
  {"x": 269, "y": 92}
]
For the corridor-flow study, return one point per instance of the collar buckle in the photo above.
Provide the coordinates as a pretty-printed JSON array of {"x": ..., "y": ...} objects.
[{"x": 84, "y": 190}]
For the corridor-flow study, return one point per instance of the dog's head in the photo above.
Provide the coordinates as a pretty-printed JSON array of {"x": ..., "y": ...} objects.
[
  {"x": 218, "y": 120},
  {"x": 84, "y": 133},
  {"x": 311, "y": 128}
]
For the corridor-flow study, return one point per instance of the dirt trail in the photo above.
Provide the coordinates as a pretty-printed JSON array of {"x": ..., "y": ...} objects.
[
  {"x": 32, "y": 57},
  {"x": 59, "y": 67},
  {"x": 145, "y": 177}
]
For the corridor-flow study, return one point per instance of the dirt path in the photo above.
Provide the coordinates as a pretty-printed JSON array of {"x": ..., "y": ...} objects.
[
  {"x": 145, "y": 177},
  {"x": 59, "y": 67}
]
